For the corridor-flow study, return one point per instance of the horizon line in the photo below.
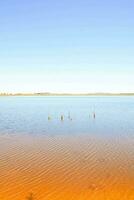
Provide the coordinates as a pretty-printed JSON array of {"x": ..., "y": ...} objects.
[{"x": 66, "y": 94}]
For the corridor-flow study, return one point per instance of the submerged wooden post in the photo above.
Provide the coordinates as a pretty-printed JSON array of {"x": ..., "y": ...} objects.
[
  {"x": 94, "y": 115},
  {"x": 62, "y": 117},
  {"x": 49, "y": 118}
]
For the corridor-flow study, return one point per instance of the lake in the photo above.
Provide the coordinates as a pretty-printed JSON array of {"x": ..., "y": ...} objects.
[
  {"x": 113, "y": 115},
  {"x": 67, "y": 147}
]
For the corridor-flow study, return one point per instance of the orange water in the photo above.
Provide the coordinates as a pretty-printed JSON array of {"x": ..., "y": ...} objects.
[{"x": 66, "y": 168}]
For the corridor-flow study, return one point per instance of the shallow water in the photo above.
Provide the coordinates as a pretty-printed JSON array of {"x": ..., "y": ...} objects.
[
  {"x": 80, "y": 157},
  {"x": 113, "y": 115}
]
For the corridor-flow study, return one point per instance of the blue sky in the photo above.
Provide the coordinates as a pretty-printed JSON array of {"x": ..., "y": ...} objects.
[{"x": 66, "y": 46}]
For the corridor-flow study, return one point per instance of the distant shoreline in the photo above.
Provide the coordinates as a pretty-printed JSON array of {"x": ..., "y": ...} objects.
[{"x": 66, "y": 94}]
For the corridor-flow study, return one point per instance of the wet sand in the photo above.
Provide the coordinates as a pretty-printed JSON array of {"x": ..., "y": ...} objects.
[{"x": 66, "y": 168}]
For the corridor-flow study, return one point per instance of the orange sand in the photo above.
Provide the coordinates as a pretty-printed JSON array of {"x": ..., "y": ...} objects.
[{"x": 66, "y": 168}]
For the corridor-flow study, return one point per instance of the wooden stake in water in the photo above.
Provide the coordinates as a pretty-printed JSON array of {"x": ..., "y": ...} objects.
[
  {"x": 49, "y": 118},
  {"x": 62, "y": 117},
  {"x": 94, "y": 115}
]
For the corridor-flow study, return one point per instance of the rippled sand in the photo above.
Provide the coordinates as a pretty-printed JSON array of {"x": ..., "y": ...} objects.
[{"x": 66, "y": 168}]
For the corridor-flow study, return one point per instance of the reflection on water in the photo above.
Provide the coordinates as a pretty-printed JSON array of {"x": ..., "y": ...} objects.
[{"x": 67, "y": 148}]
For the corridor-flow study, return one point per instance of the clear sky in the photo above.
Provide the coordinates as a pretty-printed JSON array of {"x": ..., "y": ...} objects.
[{"x": 67, "y": 46}]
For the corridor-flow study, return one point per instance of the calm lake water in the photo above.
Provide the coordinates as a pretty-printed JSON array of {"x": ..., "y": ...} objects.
[
  {"x": 113, "y": 115},
  {"x": 87, "y": 155}
]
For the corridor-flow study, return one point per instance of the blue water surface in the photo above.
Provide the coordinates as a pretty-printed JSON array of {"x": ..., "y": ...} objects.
[{"x": 95, "y": 115}]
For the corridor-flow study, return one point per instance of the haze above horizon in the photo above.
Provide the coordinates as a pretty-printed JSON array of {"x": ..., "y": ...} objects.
[{"x": 66, "y": 46}]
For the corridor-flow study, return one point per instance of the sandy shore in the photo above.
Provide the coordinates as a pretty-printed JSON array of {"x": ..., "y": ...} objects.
[{"x": 66, "y": 168}]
